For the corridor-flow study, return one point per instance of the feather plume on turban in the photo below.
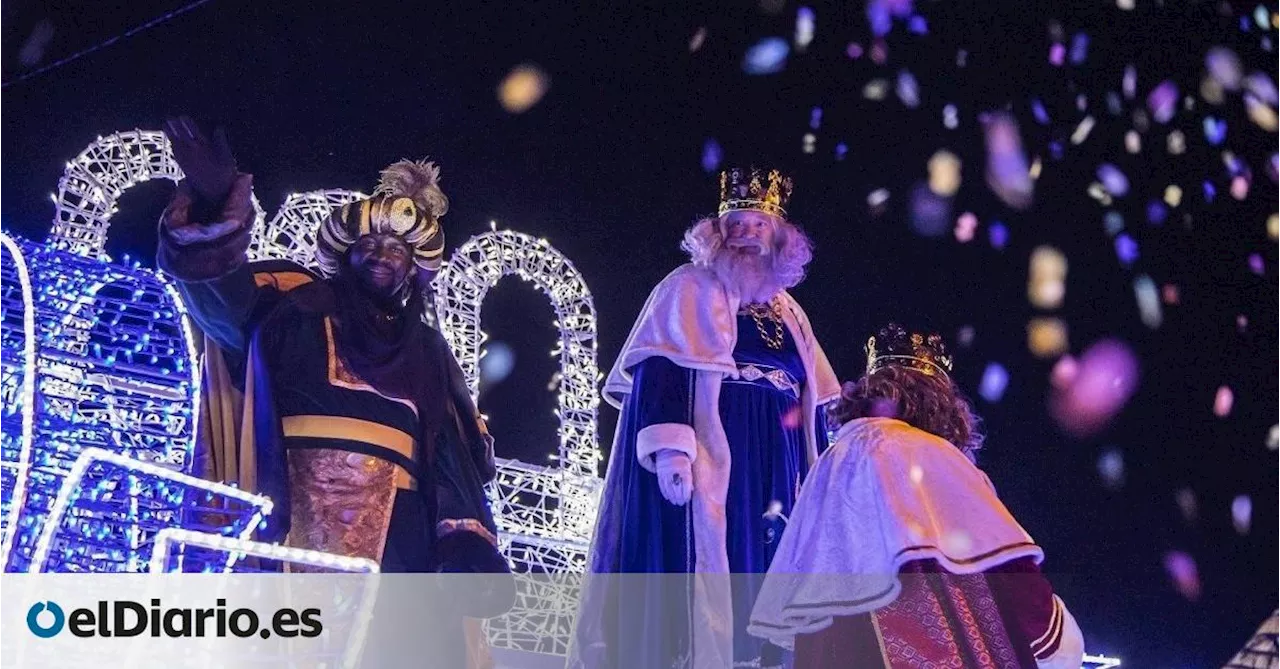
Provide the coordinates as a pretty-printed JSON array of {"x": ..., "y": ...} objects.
[{"x": 407, "y": 203}]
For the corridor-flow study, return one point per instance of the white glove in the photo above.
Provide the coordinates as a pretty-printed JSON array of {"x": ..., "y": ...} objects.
[{"x": 675, "y": 476}]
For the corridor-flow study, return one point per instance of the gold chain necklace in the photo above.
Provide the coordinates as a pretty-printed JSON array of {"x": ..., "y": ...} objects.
[{"x": 770, "y": 312}]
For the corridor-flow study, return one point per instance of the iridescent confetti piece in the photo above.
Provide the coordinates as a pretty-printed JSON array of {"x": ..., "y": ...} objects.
[
  {"x": 908, "y": 90},
  {"x": 1224, "y": 66},
  {"x": 1037, "y": 109},
  {"x": 1162, "y": 101},
  {"x": 1222, "y": 402},
  {"x": 918, "y": 25},
  {"x": 1169, "y": 294},
  {"x": 1148, "y": 303},
  {"x": 1211, "y": 91},
  {"x": 805, "y": 20},
  {"x": 711, "y": 155},
  {"x": 809, "y": 143},
  {"x": 1082, "y": 102},
  {"x": 1141, "y": 122},
  {"x": 1098, "y": 192},
  {"x": 522, "y": 88},
  {"x": 1242, "y": 513},
  {"x": 1125, "y": 5},
  {"x": 1113, "y": 179},
  {"x": 944, "y": 173},
  {"x": 962, "y": 58},
  {"x": 930, "y": 213},
  {"x": 1261, "y": 86},
  {"x": 854, "y": 50},
  {"x": 1057, "y": 54},
  {"x": 697, "y": 40},
  {"x": 1064, "y": 372},
  {"x": 877, "y": 197},
  {"x": 1082, "y": 130},
  {"x": 1182, "y": 570},
  {"x": 949, "y": 117},
  {"x": 1130, "y": 82},
  {"x": 1079, "y": 48},
  {"x": 1113, "y": 223},
  {"x": 1046, "y": 337},
  {"x": 966, "y": 225},
  {"x": 1177, "y": 143},
  {"x": 841, "y": 150},
  {"x": 878, "y": 17},
  {"x": 1261, "y": 17},
  {"x": 1111, "y": 468},
  {"x": 998, "y": 234},
  {"x": 1215, "y": 130},
  {"x": 1242, "y": 323},
  {"x": 1240, "y": 187},
  {"x": 1173, "y": 195},
  {"x": 1187, "y": 504},
  {"x": 876, "y": 89},
  {"x": 1256, "y": 264},
  {"x": 965, "y": 336},
  {"x": 1260, "y": 113},
  {"x": 1046, "y": 281},
  {"x": 1008, "y": 175},
  {"x": 994, "y": 381},
  {"x": 496, "y": 362},
  {"x": 1126, "y": 249},
  {"x": 1210, "y": 191},
  {"x": 879, "y": 52},
  {"x": 1157, "y": 212},
  {"x": 767, "y": 56},
  {"x": 1273, "y": 438},
  {"x": 1273, "y": 167},
  {"x": 1114, "y": 105},
  {"x": 1106, "y": 378},
  {"x": 815, "y": 118},
  {"x": 1273, "y": 226},
  {"x": 1132, "y": 141}
]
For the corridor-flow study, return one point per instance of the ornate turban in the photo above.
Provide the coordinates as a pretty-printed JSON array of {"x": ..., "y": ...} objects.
[{"x": 407, "y": 203}]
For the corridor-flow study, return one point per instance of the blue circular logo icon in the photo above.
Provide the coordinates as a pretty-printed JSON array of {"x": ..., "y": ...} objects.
[{"x": 45, "y": 631}]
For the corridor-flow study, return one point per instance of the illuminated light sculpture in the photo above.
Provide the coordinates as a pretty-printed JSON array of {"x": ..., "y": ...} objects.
[
  {"x": 545, "y": 514},
  {"x": 111, "y": 507},
  {"x": 17, "y": 385},
  {"x": 173, "y": 552},
  {"x": 114, "y": 368},
  {"x": 1100, "y": 662}
]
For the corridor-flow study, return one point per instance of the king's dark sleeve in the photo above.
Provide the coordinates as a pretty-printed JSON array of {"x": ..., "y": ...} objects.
[
  {"x": 212, "y": 273},
  {"x": 662, "y": 394}
]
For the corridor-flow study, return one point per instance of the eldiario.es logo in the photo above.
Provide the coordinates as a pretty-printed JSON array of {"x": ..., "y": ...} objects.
[{"x": 124, "y": 618}]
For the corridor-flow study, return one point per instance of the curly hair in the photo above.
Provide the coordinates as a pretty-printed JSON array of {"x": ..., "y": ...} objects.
[
  {"x": 791, "y": 253},
  {"x": 930, "y": 402}
]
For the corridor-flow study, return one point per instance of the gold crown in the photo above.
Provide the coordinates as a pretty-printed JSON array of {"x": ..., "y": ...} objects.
[
  {"x": 893, "y": 345},
  {"x": 746, "y": 189}
]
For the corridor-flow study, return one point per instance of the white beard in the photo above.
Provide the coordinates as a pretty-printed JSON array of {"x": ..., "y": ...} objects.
[{"x": 750, "y": 274}]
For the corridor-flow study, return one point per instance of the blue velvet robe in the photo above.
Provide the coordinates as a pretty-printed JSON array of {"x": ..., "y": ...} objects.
[{"x": 646, "y": 620}]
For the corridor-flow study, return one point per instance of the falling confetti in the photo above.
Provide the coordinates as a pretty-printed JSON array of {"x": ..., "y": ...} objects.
[
  {"x": 965, "y": 336},
  {"x": 876, "y": 89},
  {"x": 1106, "y": 378},
  {"x": 1113, "y": 223},
  {"x": 1046, "y": 337},
  {"x": 1082, "y": 130},
  {"x": 1187, "y": 505},
  {"x": 1148, "y": 303},
  {"x": 1256, "y": 264},
  {"x": 1273, "y": 438},
  {"x": 698, "y": 39},
  {"x": 805, "y": 20},
  {"x": 930, "y": 213},
  {"x": 522, "y": 88},
  {"x": 1223, "y": 66},
  {"x": 1064, "y": 372},
  {"x": 1169, "y": 294},
  {"x": 1111, "y": 468},
  {"x": 1242, "y": 513},
  {"x": 1182, "y": 570},
  {"x": 1222, "y": 402},
  {"x": 1173, "y": 195},
  {"x": 711, "y": 156},
  {"x": 999, "y": 236},
  {"x": 965, "y": 227},
  {"x": 1007, "y": 171},
  {"x": 767, "y": 56},
  {"x": 1116, "y": 183},
  {"x": 949, "y": 117},
  {"x": 1046, "y": 285},
  {"x": 1273, "y": 226},
  {"x": 1163, "y": 102},
  {"x": 908, "y": 90},
  {"x": 496, "y": 363},
  {"x": 994, "y": 381},
  {"x": 944, "y": 173},
  {"x": 1126, "y": 249}
]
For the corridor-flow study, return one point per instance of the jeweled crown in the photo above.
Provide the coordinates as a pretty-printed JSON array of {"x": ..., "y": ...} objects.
[
  {"x": 893, "y": 345},
  {"x": 755, "y": 190}
]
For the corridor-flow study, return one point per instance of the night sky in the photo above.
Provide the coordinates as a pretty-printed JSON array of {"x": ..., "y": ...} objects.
[{"x": 609, "y": 167}]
